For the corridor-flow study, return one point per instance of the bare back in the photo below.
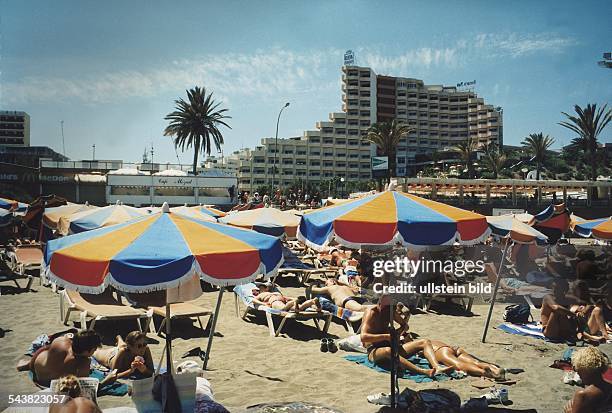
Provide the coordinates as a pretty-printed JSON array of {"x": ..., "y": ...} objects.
[{"x": 59, "y": 360}]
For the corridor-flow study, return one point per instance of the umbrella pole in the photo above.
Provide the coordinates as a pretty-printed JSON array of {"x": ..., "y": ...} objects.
[
  {"x": 394, "y": 356},
  {"x": 497, "y": 282},
  {"x": 169, "y": 368},
  {"x": 211, "y": 334}
]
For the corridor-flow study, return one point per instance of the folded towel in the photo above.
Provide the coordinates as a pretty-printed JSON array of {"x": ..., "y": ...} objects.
[
  {"x": 531, "y": 330},
  {"x": 416, "y": 360},
  {"x": 336, "y": 311}
]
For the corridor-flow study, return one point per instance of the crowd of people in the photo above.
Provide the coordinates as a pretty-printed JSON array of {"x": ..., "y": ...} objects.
[{"x": 291, "y": 199}]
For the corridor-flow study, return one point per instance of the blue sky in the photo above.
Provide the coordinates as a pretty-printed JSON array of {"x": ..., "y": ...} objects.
[{"x": 111, "y": 70}]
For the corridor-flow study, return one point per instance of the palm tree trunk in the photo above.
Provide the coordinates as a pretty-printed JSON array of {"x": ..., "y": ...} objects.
[{"x": 196, "y": 150}]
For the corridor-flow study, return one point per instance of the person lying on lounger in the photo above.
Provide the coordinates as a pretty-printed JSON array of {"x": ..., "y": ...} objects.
[
  {"x": 563, "y": 318},
  {"x": 75, "y": 402},
  {"x": 590, "y": 364},
  {"x": 342, "y": 295},
  {"x": 128, "y": 357},
  {"x": 69, "y": 354},
  {"x": 265, "y": 295},
  {"x": 376, "y": 337}
]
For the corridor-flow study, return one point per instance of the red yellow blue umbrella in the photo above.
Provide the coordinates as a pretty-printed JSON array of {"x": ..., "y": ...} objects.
[
  {"x": 597, "y": 228},
  {"x": 390, "y": 218}
]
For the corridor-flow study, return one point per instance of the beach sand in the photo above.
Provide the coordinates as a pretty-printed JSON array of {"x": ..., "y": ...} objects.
[{"x": 248, "y": 367}]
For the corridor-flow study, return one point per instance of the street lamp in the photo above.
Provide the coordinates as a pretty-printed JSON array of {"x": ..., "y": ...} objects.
[{"x": 276, "y": 146}]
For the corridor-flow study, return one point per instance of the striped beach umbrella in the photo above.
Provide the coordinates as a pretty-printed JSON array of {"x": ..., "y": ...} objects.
[
  {"x": 597, "y": 228},
  {"x": 8, "y": 204},
  {"x": 159, "y": 252},
  {"x": 390, "y": 218},
  {"x": 97, "y": 218},
  {"x": 6, "y": 217},
  {"x": 52, "y": 216},
  {"x": 269, "y": 221},
  {"x": 553, "y": 221},
  {"x": 508, "y": 226},
  {"x": 193, "y": 213},
  {"x": 209, "y": 210}
]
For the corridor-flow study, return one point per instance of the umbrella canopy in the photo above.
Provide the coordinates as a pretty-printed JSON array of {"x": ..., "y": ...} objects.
[
  {"x": 9, "y": 204},
  {"x": 269, "y": 221},
  {"x": 554, "y": 221},
  {"x": 52, "y": 216},
  {"x": 160, "y": 251},
  {"x": 97, "y": 218},
  {"x": 597, "y": 228},
  {"x": 193, "y": 213},
  {"x": 6, "y": 217},
  {"x": 209, "y": 210},
  {"x": 508, "y": 226},
  {"x": 389, "y": 218}
]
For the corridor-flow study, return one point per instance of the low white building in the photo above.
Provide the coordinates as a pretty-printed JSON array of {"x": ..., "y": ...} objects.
[{"x": 212, "y": 187}]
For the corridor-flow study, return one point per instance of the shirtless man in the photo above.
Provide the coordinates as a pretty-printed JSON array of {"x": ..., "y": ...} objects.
[
  {"x": 341, "y": 295},
  {"x": 69, "y": 354},
  {"x": 590, "y": 364},
  {"x": 376, "y": 338}
]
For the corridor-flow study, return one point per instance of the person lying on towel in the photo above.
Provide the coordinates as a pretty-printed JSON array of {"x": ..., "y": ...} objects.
[
  {"x": 128, "y": 357},
  {"x": 565, "y": 318},
  {"x": 76, "y": 402},
  {"x": 596, "y": 397},
  {"x": 376, "y": 337},
  {"x": 68, "y": 354},
  {"x": 265, "y": 294},
  {"x": 342, "y": 295}
]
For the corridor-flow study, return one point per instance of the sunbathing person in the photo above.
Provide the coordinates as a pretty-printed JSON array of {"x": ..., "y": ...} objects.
[
  {"x": 376, "y": 337},
  {"x": 69, "y": 354},
  {"x": 564, "y": 318},
  {"x": 75, "y": 402},
  {"x": 342, "y": 295},
  {"x": 463, "y": 361},
  {"x": 590, "y": 364},
  {"x": 128, "y": 357},
  {"x": 265, "y": 295}
]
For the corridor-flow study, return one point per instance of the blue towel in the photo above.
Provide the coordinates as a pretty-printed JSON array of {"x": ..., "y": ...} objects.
[
  {"x": 416, "y": 360},
  {"x": 111, "y": 389}
]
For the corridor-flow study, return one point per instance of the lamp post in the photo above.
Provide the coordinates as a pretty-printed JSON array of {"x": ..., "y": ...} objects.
[{"x": 276, "y": 146}]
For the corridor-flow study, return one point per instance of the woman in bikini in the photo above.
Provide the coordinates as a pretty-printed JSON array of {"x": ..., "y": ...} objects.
[
  {"x": 461, "y": 360},
  {"x": 265, "y": 295},
  {"x": 128, "y": 357}
]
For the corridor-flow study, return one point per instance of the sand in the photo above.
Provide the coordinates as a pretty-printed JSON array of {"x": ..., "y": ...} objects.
[{"x": 248, "y": 366}]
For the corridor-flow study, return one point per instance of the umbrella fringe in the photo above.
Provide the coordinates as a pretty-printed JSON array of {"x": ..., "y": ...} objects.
[{"x": 195, "y": 270}]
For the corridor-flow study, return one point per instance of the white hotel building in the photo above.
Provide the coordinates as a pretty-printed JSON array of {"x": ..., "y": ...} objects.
[{"x": 441, "y": 116}]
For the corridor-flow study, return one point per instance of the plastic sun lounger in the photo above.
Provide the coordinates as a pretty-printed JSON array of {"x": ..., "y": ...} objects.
[
  {"x": 100, "y": 307},
  {"x": 244, "y": 293},
  {"x": 8, "y": 274},
  {"x": 27, "y": 258},
  {"x": 181, "y": 310},
  {"x": 466, "y": 300},
  {"x": 527, "y": 292}
]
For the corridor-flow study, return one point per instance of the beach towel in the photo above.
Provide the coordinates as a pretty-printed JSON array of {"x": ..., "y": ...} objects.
[
  {"x": 336, "y": 311},
  {"x": 531, "y": 329},
  {"x": 362, "y": 359}
]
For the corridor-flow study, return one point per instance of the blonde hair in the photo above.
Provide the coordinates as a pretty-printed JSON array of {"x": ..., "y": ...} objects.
[
  {"x": 69, "y": 385},
  {"x": 590, "y": 359}
]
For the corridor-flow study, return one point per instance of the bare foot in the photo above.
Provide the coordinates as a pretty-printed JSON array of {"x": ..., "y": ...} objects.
[
  {"x": 496, "y": 373},
  {"x": 111, "y": 377},
  {"x": 444, "y": 370},
  {"x": 23, "y": 365}
]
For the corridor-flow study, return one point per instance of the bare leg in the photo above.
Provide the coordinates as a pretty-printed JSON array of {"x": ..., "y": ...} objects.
[
  {"x": 560, "y": 327},
  {"x": 490, "y": 370},
  {"x": 382, "y": 356},
  {"x": 447, "y": 356},
  {"x": 354, "y": 306},
  {"x": 597, "y": 323},
  {"x": 309, "y": 303},
  {"x": 424, "y": 346}
]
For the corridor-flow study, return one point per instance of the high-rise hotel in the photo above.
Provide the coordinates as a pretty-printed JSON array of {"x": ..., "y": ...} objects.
[{"x": 439, "y": 116}]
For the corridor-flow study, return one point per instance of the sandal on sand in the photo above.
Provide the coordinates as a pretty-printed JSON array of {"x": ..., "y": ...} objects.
[
  {"x": 324, "y": 347},
  {"x": 331, "y": 346}
]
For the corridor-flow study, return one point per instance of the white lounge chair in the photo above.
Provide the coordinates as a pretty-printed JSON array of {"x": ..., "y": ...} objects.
[{"x": 244, "y": 293}]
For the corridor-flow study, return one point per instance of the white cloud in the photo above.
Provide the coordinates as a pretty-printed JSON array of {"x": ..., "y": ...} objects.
[
  {"x": 269, "y": 73},
  {"x": 517, "y": 45}
]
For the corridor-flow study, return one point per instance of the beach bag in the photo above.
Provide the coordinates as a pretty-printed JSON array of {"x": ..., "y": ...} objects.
[{"x": 517, "y": 314}]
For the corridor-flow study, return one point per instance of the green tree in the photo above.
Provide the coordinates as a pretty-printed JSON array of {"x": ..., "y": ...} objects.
[
  {"x": 466, "y": 150},
  {"x": 494, "y": 159},
  {"x": 537, "y": 145},
  {"x": 195, "y": 123},
  {"x": 386, "y": 136},
  {"x": 588, "y": 123}
]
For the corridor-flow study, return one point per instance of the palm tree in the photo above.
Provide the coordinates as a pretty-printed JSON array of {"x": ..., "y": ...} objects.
[
  {"x": 589, "y": 123},
  {"x": 386, "y": 136},
  {"x": 466, "y": 150},
  {"x": 196, "y": 123},
  {"x": 494, "y": 159},
  {"x": 537, "y": 144}
]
